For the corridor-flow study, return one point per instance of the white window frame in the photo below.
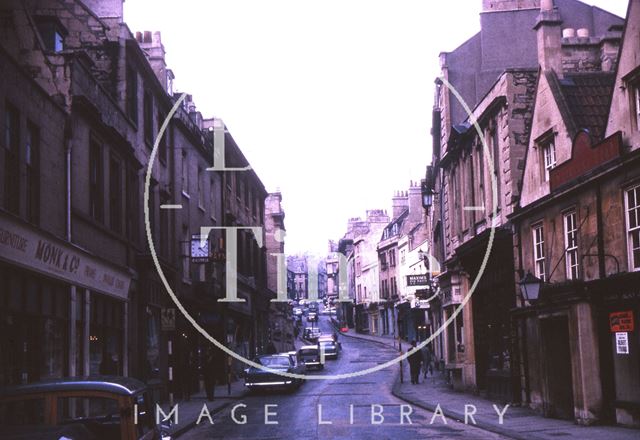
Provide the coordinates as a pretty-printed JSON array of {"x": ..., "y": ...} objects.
[
  {"x": 548, "y": 157},
  {"x": 636, "y": 89},
  {"x": 633, "y": 231},
  {"x": 539, "y": 258},
  {"x": 572, "y": 264}
]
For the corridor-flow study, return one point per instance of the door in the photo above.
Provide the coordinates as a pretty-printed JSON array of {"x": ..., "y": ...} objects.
[{"x": 557, "y": 375}]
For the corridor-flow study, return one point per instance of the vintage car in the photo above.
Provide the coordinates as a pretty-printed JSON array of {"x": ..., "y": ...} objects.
[
  {"x": 268, "y": 377},
  {"x": 90, "y": 408},
  {"x": 310, "y": 356},
  {"x": 330, "y": 347},
  {"x": 311, "y": 334}
]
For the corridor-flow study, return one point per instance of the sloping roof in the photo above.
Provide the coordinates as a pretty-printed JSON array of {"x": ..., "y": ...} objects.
[{"x": 587, "y": 97}]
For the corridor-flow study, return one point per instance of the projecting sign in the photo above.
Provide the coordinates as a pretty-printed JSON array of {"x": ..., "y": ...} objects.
[
  {"x": 417, "y": 280},
  {"x": 622, "y": 343},
  {"x": 621, "y": 321},
  {"x": 168, "y": 320}
]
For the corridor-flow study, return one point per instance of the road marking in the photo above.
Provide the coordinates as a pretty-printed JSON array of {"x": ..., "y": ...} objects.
[{"x": 170, "y": 206}]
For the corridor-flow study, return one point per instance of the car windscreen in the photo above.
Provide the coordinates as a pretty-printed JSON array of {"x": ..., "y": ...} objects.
[
  {"x": 274, "y": 361},
  {"x": 309, "y": 352}
]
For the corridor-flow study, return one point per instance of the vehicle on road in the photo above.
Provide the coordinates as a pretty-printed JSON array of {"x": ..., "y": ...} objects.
[
  {"x": 310, "y": 356},
  {"x": 100, "y": 407},
  {"x": 297, "y": 311},
  {"x": 330, "y": 346},
  {"x": 311, "y": 334},
  {"x": 312, "y": 317},
  {"x": 268, "y": 378}
]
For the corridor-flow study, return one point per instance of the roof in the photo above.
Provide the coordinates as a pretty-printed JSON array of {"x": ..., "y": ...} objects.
[
  {"x": 584, "y": 100},
  {"x": 123, "y": 386}
]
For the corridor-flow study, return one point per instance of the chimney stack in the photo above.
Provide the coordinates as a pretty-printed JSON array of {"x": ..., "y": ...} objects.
[
  {"x": 399, "y": 203},
  {"x": 549, "y": 30}
]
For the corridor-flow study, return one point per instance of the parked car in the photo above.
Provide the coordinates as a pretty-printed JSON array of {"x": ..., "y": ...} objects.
[
  {"x": 87, "y": 408},
  {"x": 311, "y": 334},
  {"x": 310, "y": 356},
  {"x": 258, "y": 378}
]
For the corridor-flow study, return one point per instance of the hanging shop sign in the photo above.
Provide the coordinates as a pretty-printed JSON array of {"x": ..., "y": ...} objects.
[
  {"x": 621, "y": 321},
  {"x": 417, "y": 280},
  {"x": 168, "y": 319},
  {"x": 622, "y": 343}
]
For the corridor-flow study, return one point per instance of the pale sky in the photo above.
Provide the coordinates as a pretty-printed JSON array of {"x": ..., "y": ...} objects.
[{"x": 329, "y": 100}]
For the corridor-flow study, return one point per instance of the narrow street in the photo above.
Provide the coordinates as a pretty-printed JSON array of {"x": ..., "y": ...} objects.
[{"x": 297, "y": 412}]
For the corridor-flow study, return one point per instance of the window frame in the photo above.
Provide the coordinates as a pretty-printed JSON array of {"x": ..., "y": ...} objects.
[
  {"x": 570, "y": 233},
  {"x": 635, "y": 231},
  {"x": 32, "y": 171},
  {"x": 116, "y": 168},
  {"x": 539, "y": 254},
  {"x": 549, "y": 157},
  {"x": 11, "y": 196},
  {"x": 132, "y": 94},
  {"x": 96, "y": 180}
]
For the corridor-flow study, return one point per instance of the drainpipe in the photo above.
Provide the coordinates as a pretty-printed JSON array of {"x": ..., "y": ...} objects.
[
  {"x": 68, "y": 147},
  {"x": 601, "y": 255}
]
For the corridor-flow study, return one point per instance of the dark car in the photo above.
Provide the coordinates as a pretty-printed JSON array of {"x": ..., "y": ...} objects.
[
  {"x": 79, "y": 408},
  {"x": 311, "y": 334},
  {"x": 310, "y": 356},
  {"x": 268, "y": 378}
]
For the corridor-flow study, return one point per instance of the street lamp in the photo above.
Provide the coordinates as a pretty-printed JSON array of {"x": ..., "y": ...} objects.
[
  {"x": 530, "y": 287},
  {"x": 427, "y": 195}
]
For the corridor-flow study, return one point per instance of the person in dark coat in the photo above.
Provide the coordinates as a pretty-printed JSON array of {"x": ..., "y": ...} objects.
[
  {"x": 415, "y": 359},
  {"x": 210, "y": 372},
  {"x": 427, "y": 360}
]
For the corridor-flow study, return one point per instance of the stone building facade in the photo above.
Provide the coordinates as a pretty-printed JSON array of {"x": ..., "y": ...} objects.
[
  {"x": 575, "y": 230},
  {"x": 477, "y": 171},
  {"x": 87, "y": 98}
]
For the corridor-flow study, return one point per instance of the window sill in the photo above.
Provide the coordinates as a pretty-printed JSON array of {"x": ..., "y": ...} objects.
[
  {"x": 186, "y": 195},
  {"x": 201, "y": 208}
]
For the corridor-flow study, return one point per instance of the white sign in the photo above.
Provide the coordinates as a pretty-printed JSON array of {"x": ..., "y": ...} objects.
[
  {"x": 25, "y": 246},
  {"x": 622, "y": 343}
]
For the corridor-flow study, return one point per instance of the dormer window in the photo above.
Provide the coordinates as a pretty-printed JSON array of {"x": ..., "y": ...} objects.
[
  {"x": 52, "y": 33},
  {"x": 547, "y": 154}
]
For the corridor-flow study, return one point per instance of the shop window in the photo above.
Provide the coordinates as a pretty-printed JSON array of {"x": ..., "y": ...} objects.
[
  {"x": 571, "y": 245},
  {"x": 632, "y": 205},
  {"x": 538, "y": 251},
  {"x": 11, "y": 194}
]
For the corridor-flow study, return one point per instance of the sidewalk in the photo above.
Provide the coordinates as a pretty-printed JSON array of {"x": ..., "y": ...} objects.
[
  {"x": 519, "y": 422},
  {"x": 189, "y": 410}
]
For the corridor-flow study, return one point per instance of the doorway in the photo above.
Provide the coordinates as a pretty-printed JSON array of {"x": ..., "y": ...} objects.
[{"x": 558, "y": 378}]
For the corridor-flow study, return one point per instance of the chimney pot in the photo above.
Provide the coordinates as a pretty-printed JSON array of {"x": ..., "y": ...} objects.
[
  {"x": 147, "y": 36},
  {"x": 139, "y": 37},
  {"x": 546, "y": 5},
  {"x": 568, "y": 33},
  {"x": 583, "y": 33}
]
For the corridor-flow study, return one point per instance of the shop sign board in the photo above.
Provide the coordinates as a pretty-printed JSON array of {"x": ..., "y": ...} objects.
[{"x": 621, "y": 321}]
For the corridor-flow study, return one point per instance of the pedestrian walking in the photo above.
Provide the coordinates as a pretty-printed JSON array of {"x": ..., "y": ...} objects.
[
  {"x": 210, "y": 372},
  {"x": 427, "y": 360},
  {"x": 415, "y": 359}
]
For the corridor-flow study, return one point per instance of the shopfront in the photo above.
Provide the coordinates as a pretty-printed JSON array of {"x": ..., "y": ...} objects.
[{"x": 62, "y": 311}]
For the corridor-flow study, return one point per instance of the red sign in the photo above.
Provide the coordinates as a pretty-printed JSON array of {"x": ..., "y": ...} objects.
[{"x": 621, "y": 321}]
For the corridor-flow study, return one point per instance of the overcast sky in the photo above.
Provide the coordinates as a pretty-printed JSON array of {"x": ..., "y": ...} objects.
[{"x": 329, "y": 100}]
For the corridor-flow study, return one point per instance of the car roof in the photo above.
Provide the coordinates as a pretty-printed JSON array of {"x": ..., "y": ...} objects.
[{"x": 123, "y": 386}]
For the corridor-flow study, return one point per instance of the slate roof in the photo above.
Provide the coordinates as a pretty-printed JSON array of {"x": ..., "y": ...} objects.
[{"x": 587, "y": 97}]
